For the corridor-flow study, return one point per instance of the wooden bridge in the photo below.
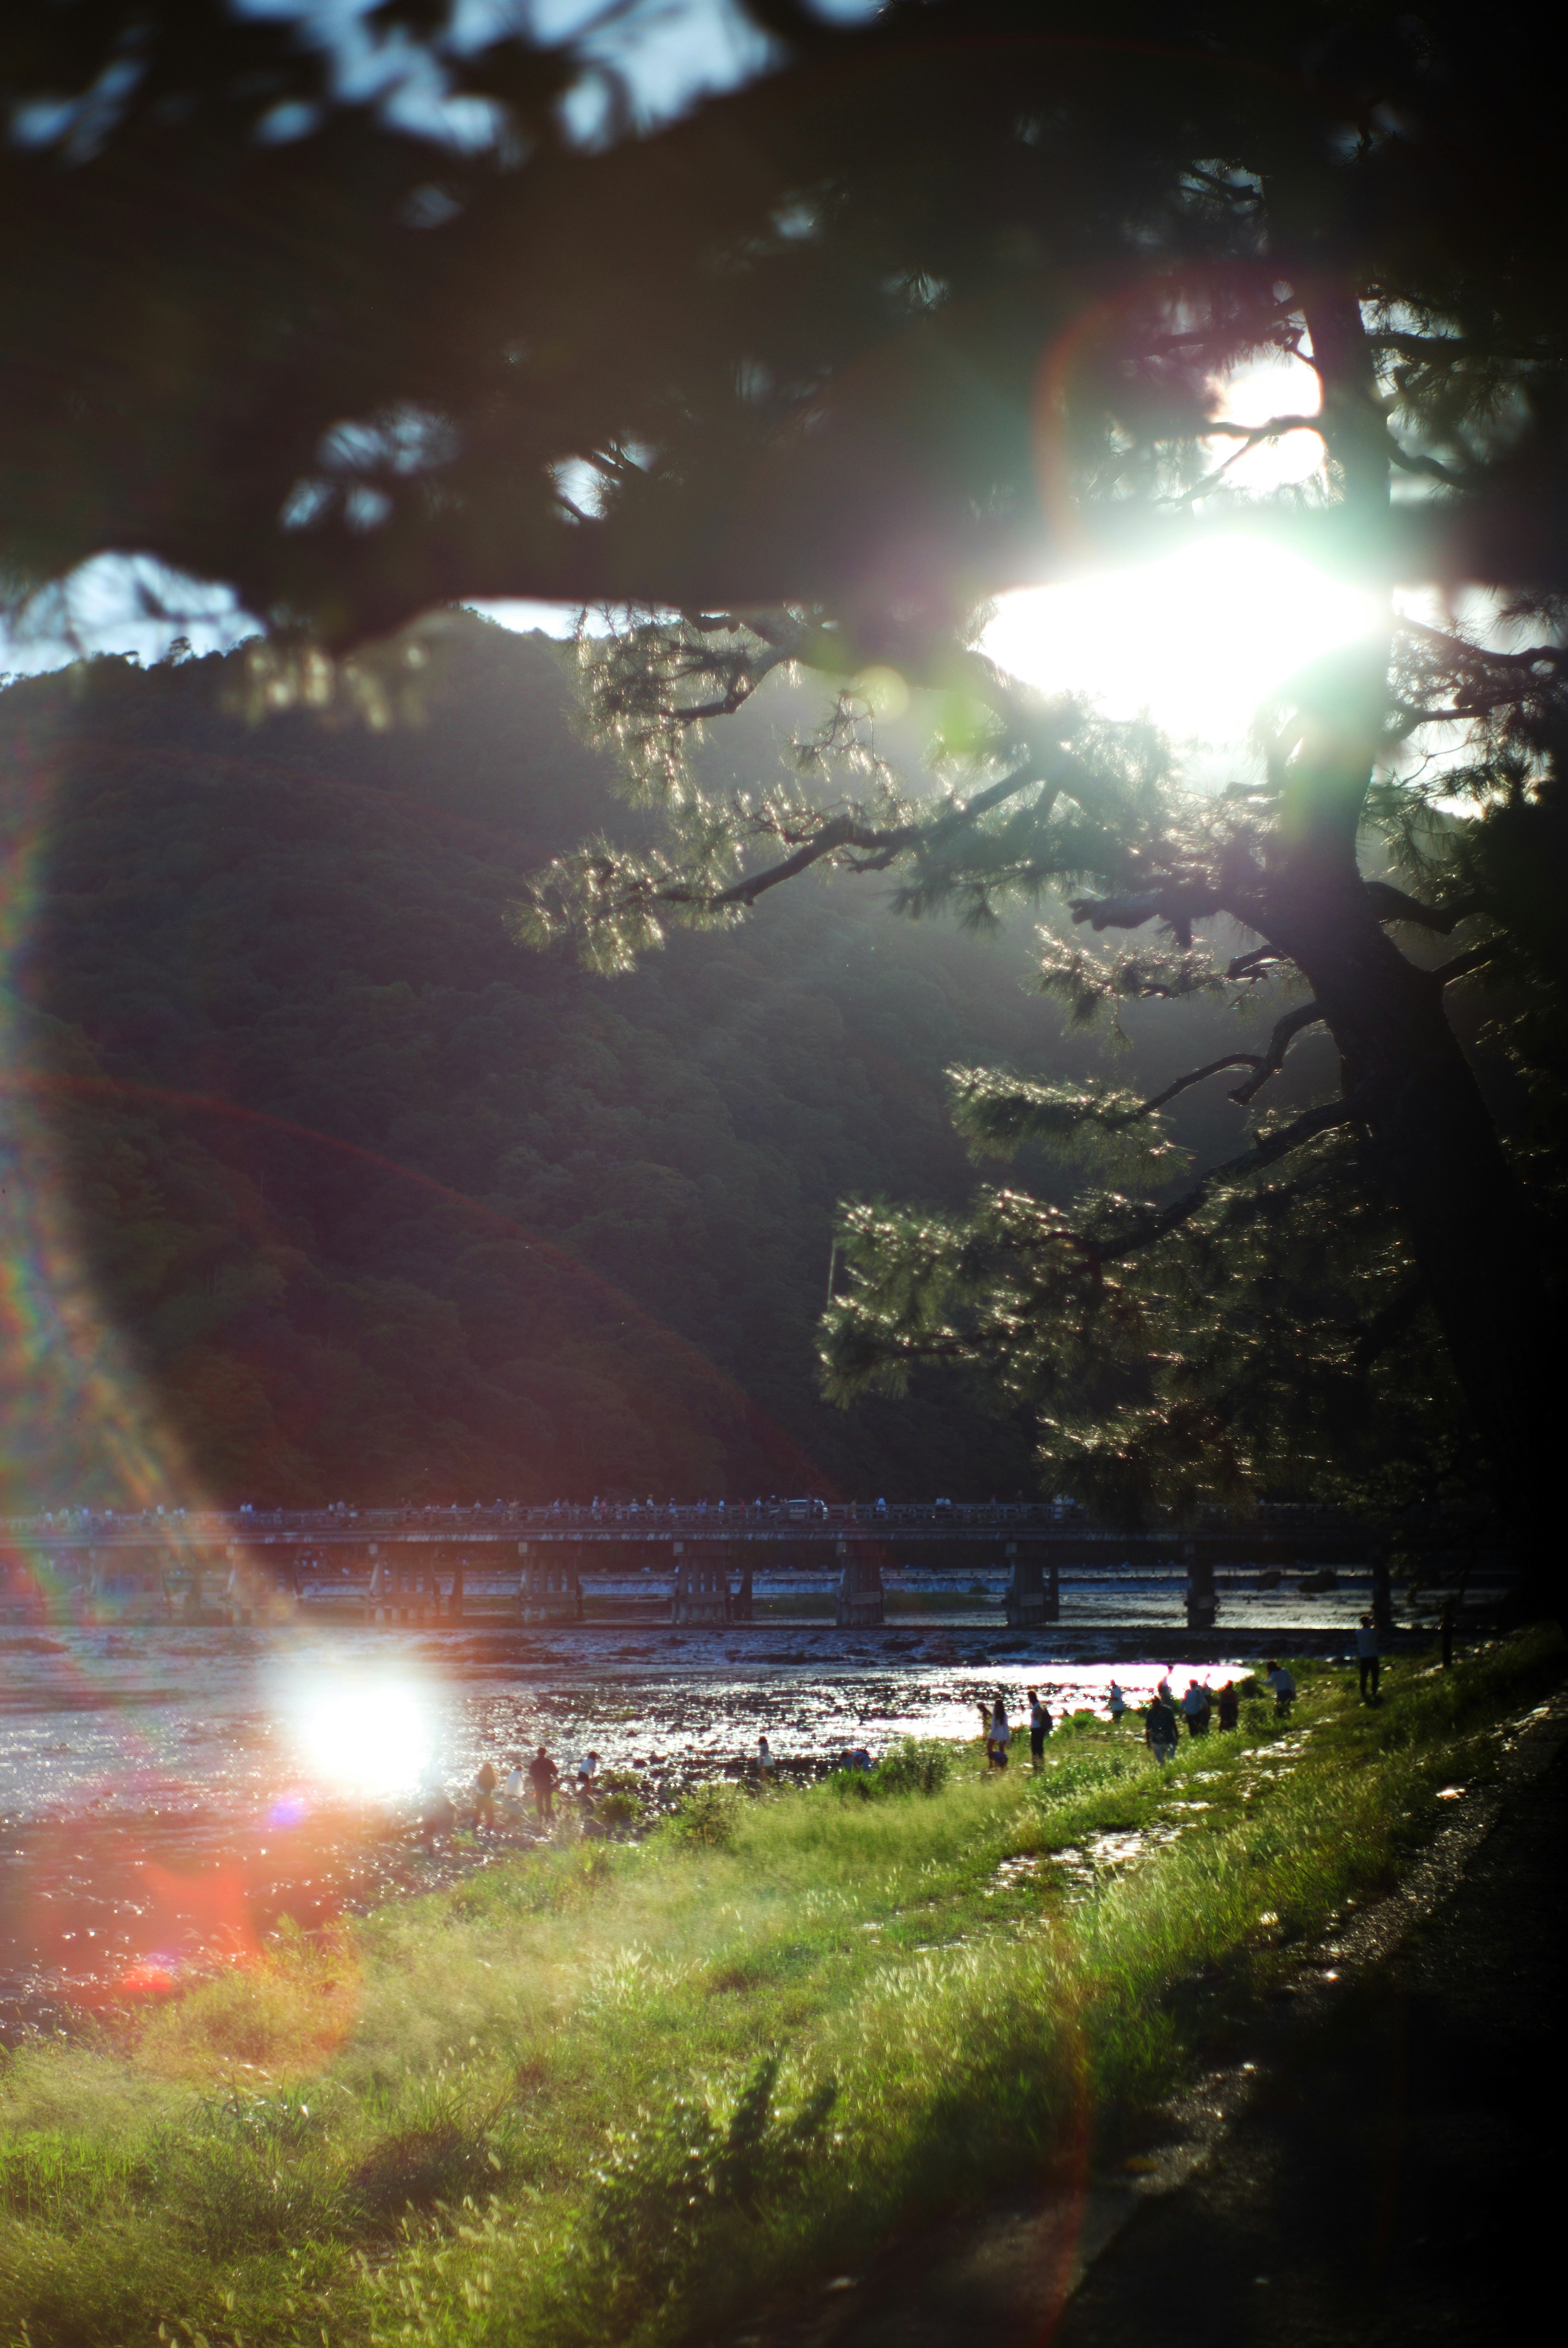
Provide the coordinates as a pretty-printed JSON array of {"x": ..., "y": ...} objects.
[{"x": 529, "y": 1565}]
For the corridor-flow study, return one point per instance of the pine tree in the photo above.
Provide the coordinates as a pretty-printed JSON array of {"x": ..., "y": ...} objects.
[{"x": 932, "y": 308}]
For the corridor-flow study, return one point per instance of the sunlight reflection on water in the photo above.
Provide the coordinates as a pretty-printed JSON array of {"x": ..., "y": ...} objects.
[
  {"x": 166, "y": 1796},
  {"x": 234, "y": 1722}
]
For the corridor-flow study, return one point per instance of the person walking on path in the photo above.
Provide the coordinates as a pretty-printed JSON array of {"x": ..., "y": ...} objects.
[
  {"x": 1159, "y": 1730},
  {"x": 1229, "y": 1707},
  {"x": 543, "y": 1777},
  {"x": 1284, "y": 1686},
  {"x": 998, "y": 1737},
  {"x": 1039, "y": 1726},
  {"x": 1196, "y": 1707},
  {"x": 1369, "y": 1657}
]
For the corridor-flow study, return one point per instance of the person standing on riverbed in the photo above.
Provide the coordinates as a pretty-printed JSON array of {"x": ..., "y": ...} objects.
[
  {"x": 543, "y": 1777},
  {"x": 1160, "y": 1729},
  {"x": 1116, "y": 1705},
  {"x": 1230, "y": 1707},
  {"x": 486, "y": 1781},
  {"x": 1282, "y": 1683},
  {"x": 1039, "y": 1726},
  {"x": 1369, "y": 1657},
  {"x": 436, "y": 1815},
  {"x": 998, "y": 1737}
]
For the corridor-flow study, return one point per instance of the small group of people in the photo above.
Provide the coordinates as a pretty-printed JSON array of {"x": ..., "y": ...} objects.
[
  {"x": 996, "y": 1730},
  {"x": 539, "y": 1779},
  {"x": 1200, "y": 1706}
]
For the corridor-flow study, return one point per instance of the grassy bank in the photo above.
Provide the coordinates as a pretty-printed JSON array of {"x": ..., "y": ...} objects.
[{"x": 622, "y": 2093}]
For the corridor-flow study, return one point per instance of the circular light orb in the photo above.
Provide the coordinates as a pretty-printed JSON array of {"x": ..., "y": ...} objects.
[
  {"x": 374, "y": 1736},
  {"x": 1195, "y": 641}
]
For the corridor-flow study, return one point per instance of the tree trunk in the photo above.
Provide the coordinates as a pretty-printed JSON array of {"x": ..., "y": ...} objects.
[{"x": 1437, "y": 1155}]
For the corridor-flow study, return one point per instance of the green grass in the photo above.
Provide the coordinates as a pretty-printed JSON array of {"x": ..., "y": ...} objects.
[{"x": 627, "y": 2092}]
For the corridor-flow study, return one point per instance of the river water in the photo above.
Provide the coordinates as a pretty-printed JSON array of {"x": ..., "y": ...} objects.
[{"x": 167, "y": 1795}]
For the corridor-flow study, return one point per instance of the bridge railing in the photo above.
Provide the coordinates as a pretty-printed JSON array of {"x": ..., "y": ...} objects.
[{"x": 811, "y": 1516}]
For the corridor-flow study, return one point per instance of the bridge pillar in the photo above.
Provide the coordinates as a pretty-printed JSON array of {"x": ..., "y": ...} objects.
[
  {"x": 1031, "y": 1597},
  {"x": 740, "y": 1605},
  {"x": 454, "y": 1603},
  {"x": 239, "y": 1593},
  {"x": 1202, "y": 1605},
  {"x": 550, "y": 1589},
  {"x": 860, "y": 1594},
  {"x": 701, "y": 1593},
  {"x": 400, "y": 1591}
]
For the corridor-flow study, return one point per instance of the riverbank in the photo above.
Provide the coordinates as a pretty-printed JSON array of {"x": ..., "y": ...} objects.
[
  {"x": 166, "y": 1797},
  {"x": 631, "y": 2093}
]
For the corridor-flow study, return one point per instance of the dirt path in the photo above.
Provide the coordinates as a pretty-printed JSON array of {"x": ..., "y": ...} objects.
[
  {"x": 1386, "y": 2172},
  {"x": 1398, "y": 2176}
]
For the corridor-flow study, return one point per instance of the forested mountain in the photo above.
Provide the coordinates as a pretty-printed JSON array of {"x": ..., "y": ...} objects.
[{"x": 318, "y": 1187}]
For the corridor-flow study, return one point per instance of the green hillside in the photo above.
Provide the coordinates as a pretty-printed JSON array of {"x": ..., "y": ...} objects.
[{"x": 323, "y": 1188}]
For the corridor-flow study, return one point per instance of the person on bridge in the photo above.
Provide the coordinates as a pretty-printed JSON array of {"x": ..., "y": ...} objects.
[
  {"x": 1039, "y": 1726},
  {"x": 1369, "y": 1658},
  {"x": 544, "y": 1777}
]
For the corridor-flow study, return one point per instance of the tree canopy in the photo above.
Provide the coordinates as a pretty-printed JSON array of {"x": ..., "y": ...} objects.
[
  {"x": 938, "y": 305},
  {"x": 927, "y": 309}
]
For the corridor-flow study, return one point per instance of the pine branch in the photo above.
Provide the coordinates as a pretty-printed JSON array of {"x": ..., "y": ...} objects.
[
  {"x": 1391, "y": 904},
  {"x": 1430, "y": 467},
  {"x": 1451, "y": 346},
  {"x": 1463, "y": 964},
  {"x": 1468, "y": 656},
  {"x": 1267, "y": 1152},
  {"x": 1252, "y": 965},
  {"x": 1306, "y": 1014},
  {"x": 748, "y": 674},
  {"x": 1198, "y": 1077},
  {"x": 843, "y": 831},
  {"x": 1180, "y": 906}
]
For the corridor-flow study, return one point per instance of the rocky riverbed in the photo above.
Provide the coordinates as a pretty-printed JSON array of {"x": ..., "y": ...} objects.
[{"x": 167, "y": 1797}]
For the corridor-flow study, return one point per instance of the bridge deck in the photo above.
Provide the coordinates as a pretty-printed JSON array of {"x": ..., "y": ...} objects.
[{"x": 767, "y": 1525}]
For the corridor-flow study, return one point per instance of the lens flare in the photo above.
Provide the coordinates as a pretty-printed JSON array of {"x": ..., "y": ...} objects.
[{"x": 374, "y": 1736}]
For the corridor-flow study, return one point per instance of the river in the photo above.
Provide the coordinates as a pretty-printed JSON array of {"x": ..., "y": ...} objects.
[{"x": 167, "y": 1795}]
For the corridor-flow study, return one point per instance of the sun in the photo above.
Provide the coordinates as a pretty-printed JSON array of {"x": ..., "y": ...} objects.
[
  {"x": 1199, "y": 637},
  {"x": 1196, "y": 640}
]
